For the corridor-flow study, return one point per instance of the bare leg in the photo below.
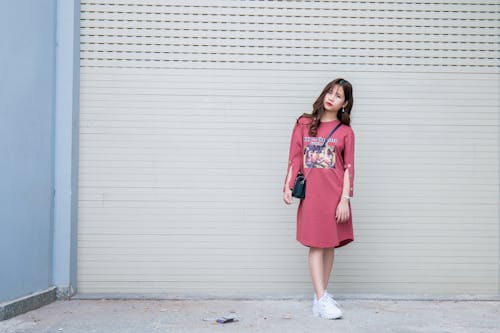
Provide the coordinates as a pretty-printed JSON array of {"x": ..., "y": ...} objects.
[
  {"x": 328, "y": 256},
  {"x": 316, "y": 267}
]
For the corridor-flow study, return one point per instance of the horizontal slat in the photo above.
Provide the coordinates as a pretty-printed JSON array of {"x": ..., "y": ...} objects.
[
  {"x": 212, "y": 288},
  {"x": 98, "y": 223},
  {"x": 112, "y": 232},
  {"x": 358, "y": 252},
  {"x": 132, "y": 50},
  {"x": 408, "y": 85},
  {"x": 251, "y": 57},
  {"x": 252, "y": 195},
  {"x": 370, "y": 38},
  {"x": 358, "y": 249},
  {"x": 282, "y": 77},
  {"x": 353, "y": 276},
  {"x": 230, "y": 81},
  {"x": 318, "y": 5},
  {"x": 387, "y": 35},
  {"x": 338, "y": 66},
  {"x": 205, "y": 288},
  {"x": 94, "y": 39},
  {"x": 296, "y": 7},
  {"x": 276, "y": 19}
]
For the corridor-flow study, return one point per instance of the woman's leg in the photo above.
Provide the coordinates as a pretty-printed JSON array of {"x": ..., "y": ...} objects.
[
  {"x": 328, "y": 255},
  {"x": 320, "y": 264},
  {"x": 316, "y": 267}
]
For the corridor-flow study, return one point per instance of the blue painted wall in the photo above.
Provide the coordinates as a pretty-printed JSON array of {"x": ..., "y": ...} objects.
[{"x": 27, "y": 86}]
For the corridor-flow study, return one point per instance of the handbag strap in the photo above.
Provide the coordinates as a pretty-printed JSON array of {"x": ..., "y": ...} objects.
[
  {"x": 323, "y": 145},
  {"x": 329, "y": 135}
]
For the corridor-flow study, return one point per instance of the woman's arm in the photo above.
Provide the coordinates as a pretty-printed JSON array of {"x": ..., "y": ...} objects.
[
  {"x": 287, "y": 192},
  {"x": 342, "y": 213},
  {"x": 294, "y": 161}
]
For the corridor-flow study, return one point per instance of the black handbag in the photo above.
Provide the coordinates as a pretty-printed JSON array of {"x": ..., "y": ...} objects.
[{"x": 299, "y": 186}]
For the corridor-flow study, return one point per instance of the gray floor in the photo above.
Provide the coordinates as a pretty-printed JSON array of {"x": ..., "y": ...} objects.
[{"x": 87, "y": 316}]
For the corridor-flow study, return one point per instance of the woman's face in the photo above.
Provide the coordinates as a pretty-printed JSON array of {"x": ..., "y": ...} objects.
[{"x": 334, "y": 99}]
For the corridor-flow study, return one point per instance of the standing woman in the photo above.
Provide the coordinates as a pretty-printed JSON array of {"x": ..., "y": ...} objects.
[{"x": 324, "y": 219}]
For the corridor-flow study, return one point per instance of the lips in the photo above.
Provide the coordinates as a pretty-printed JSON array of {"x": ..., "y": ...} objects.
[{"x": 328, "y": 103}]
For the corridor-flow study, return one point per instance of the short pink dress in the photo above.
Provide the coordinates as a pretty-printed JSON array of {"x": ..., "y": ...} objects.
[{"x": 324, "y": 169}]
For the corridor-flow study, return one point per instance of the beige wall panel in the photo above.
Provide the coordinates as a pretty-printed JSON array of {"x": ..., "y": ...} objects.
[{"x": 185, "y": 121}]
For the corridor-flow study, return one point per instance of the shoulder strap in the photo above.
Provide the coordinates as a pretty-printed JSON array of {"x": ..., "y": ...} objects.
[{"x": 329, "y": 135}]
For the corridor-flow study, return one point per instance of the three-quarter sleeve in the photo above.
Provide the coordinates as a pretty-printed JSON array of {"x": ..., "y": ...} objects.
[
  {"x": 349, "y": 159},
  {"x": 295, "y": 154}
]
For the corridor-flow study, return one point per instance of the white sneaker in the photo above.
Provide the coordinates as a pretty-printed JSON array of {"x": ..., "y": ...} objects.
[
  {"x": 326, "y": 307},
  {"x": 315, "y": 301}
]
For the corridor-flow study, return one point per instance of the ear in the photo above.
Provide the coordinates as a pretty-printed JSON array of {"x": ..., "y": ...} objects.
[{"x": 345, "y": 104}]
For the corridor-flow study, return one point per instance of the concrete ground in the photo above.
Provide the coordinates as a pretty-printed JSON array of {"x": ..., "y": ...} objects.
[{"x": 373, "y": 316}]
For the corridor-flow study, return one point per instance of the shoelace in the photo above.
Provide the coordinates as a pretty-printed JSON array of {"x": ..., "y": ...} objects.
[{"x": 330, "y": 298}]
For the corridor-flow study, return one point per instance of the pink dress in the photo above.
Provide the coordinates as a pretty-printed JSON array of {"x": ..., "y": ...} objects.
[{"x": 324, "y": 169}]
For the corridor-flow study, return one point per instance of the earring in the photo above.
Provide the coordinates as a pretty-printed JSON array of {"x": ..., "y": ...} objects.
[{"x": 343, "y": 110}]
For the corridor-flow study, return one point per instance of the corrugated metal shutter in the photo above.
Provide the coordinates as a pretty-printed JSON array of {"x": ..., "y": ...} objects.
[{"x": 186, "y": 114}]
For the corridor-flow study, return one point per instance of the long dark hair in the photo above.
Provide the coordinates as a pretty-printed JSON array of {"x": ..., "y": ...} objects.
[{"x": 318, "y": 108}]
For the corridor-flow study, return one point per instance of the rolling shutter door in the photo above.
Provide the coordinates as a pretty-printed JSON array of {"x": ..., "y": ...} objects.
[{"x": 186, "y": 113}]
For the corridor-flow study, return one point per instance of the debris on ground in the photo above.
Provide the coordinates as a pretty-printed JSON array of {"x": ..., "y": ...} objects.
[
  {"x": 226, "y": 319},
  {"x": 223, "y": 319}
]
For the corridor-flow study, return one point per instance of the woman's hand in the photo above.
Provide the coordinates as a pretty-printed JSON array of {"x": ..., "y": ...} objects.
[
  {"x": 287, "y": 196},
  {"x": 342, "y": 213}
]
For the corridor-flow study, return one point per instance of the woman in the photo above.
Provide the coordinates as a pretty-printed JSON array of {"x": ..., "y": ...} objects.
[{"x": 324, "y": 219}]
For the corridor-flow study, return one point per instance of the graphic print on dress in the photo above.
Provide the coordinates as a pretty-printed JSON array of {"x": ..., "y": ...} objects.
[{"x": 318, "y": 156}]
